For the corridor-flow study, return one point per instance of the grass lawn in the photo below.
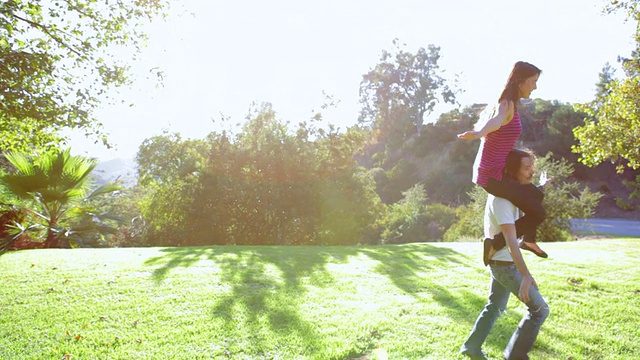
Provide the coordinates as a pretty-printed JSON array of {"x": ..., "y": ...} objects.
[{"x": 415, "y": 301}]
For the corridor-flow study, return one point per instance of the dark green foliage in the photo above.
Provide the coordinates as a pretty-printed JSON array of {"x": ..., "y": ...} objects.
[
  {"x": 470, "y": 225},
  {"x": 439, "y": 219},
  {"x": 564, "y": 200},
  {"x": 444, "y": 163},
  {"x": 169, "y": 174},
  {"x": 396, "y": 96},
  {"x": 400, "y": 91},
  {"x": 413, "y": 220},
  {"x": 549, "y": 127},
  {"x": 9, "y": 215},
  {"x": 623, "y": 204},
  {"x": 397, "y": 180},
  {"x": 131, "y": 229},
  {"x": 404, "y": 221},
  {"x": 166, "y": 158},
  {"x": 271, "y": 185},
  {"x": 274, "y": 184},
  {"x": 165, "y": 208},
  {"x": 634, "y": 186}
]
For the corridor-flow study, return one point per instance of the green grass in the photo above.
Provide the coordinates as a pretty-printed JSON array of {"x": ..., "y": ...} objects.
[{"x": 414, "y": 301}]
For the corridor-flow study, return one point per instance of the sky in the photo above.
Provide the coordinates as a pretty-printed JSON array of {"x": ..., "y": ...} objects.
[{"x": 219, "y": 57}]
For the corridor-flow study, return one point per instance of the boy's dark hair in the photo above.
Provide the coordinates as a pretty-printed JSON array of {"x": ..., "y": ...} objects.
[{"x": 514, "y": 159}]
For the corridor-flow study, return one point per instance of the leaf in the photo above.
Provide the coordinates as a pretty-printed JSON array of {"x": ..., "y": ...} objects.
[{"x": 46, "y": 96}]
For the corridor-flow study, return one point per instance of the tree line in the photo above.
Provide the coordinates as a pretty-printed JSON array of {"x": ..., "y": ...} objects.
[{"x": 389, "y": 179}]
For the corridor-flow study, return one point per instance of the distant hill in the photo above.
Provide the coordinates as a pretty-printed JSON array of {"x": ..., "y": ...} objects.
[{"x": 123, "y": 170}]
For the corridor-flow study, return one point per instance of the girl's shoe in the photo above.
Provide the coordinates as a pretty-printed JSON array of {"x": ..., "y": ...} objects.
[{"x": 534, "y": 249}]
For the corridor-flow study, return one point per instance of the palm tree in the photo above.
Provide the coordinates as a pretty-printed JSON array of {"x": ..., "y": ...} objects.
[{"x": 57, "y": 189}]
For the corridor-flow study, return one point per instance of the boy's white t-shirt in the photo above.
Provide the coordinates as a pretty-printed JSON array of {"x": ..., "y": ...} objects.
[{"x": 499, "y": 211}]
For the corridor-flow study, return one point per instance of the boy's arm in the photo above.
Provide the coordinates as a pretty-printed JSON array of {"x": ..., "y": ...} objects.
[{"x": 509, "y": 232}]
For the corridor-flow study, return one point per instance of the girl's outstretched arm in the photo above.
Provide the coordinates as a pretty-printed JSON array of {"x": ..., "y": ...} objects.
[{"x": 504, "y": 115}]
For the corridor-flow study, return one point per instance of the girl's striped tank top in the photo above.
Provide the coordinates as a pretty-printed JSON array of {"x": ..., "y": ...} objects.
[{"x": 494, "y": 148}]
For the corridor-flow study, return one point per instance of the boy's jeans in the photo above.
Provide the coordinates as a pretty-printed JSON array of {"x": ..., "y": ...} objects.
[{"x": 506, "y": 279}]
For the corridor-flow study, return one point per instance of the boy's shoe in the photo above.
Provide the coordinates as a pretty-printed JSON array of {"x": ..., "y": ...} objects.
[{"x": 474, "y": 355}]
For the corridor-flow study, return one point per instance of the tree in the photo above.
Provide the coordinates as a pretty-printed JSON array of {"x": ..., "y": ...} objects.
[
  {"x": 58, "y": 59},
  {"x": 613, "y": 125},
  {"x": 396, "y": 96},
  {"x": 553, "y": 124},
  {"x": 604, "y": 79},
  {"x": 402, "y": 220},
  {"x": 564, "y": 200},
  {"x": 166, "y": 158},
  {"x": 57, "y": 193},
  {"x": 445, "y": 163},
  {"x": 131, "y": 230},
  {"x": 169, "y": 172},
  {"x": 400, "y": 91},
  {"x": 269, "y": 184}
]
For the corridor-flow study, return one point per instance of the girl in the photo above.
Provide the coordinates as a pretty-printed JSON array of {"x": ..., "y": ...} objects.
[{"x": 498, "y": 136}]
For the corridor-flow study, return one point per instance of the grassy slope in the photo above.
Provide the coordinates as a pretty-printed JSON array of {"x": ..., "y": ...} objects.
[{"x": 414, "y": 301}]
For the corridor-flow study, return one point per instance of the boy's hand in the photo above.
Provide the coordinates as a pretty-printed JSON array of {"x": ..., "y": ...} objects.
[
  {"x": 525, "y": 286},
  {"x": 544, "y": 180}
]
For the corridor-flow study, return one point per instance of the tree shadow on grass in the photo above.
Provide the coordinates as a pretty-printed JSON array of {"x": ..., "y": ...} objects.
[
  {"x": 178, "y": 257},
  {"x": 408, "y": 266},
  {"x": 263, "y": 289},
  {"x": 266, "y": 285},
  {"x": 265, "y": 304}
]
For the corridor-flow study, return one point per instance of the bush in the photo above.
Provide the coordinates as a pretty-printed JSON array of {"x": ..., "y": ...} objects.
[
  {"x": 403, "y": 221},
  {"x": 399, "y": 179},
  {"x": 9, "y": 216},
  {"x": 470, "y": 224},
  {"x": 410, "y": 220},
  {"x": 131, "y": 230},
  {"x": 439, "y": 218},
  {"x": 623, "y": 204},
  {"x": 563, "y": 200}
]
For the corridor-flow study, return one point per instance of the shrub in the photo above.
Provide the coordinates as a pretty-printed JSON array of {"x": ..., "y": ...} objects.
[
  {"x": 404, "y": 221},
  {"x": 563, "y": 200},
  {"x": 470, "y": 222},
  {"x": 623, "y": 204},
  {"x": 439, "y": 218}
]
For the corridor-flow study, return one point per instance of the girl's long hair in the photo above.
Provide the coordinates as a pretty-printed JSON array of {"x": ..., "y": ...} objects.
[{"x": 521, "y": 71}]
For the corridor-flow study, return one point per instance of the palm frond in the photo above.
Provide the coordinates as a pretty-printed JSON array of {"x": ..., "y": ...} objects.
[
  {"x": 15, "y": 230},
  {"x": 21, "y": 161},
  {"x": 102, "y": 190},
  {"x": 57, "y": 183}
]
